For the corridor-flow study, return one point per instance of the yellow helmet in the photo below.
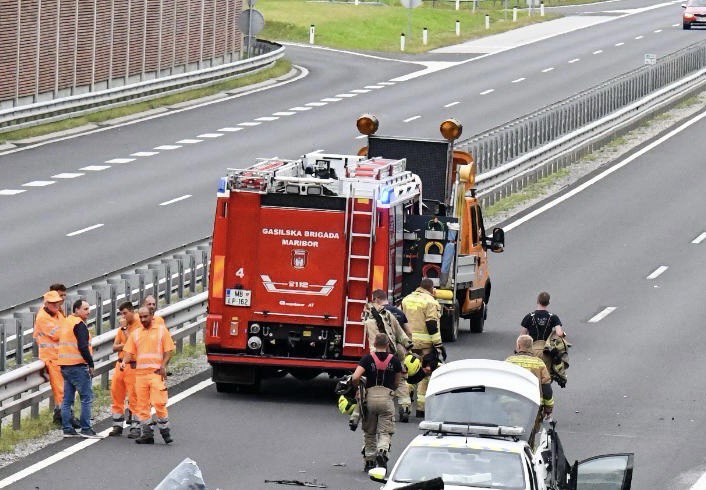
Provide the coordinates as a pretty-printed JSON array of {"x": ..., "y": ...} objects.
[
  {"x": 345, "y": 406},
  {"x": 412, "y": 363}
]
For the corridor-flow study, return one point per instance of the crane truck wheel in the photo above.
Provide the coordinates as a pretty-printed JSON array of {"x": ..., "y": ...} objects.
[{"x": 449, "y": 324}]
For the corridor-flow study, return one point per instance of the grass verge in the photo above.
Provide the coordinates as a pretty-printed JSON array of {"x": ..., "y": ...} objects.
[
  {"x": 280, "y": 68},
  {"x": 378, "y": 27},
  {"x": 530, "y": 192}
]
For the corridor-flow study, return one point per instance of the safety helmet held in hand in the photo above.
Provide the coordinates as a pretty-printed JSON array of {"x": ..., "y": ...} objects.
[
  {"x": 412, "y": 363},
  {"x": 345, "y": 405}
]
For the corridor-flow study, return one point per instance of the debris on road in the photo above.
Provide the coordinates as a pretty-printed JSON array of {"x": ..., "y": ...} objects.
[{"x": 298, "y": 483}]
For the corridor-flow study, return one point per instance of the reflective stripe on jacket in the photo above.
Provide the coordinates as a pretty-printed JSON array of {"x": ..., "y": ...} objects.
[{"x": 148, "y": 346}]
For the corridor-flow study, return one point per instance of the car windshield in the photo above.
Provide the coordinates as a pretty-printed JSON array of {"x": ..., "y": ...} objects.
[
  {"x": 696, "y": 3},
  {"x": 482, "y": 406},
  {"x": 466, "y": 467}
]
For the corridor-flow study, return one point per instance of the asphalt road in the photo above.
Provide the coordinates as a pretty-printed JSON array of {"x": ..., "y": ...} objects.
[
  {"x": 635, "y": 384},
  {"x": 117, "y": 208}
]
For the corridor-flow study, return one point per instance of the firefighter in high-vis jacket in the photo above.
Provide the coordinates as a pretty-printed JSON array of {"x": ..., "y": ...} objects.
[
  {"x": 524, "y": 357},
  {"x": 424, "y": 312}
]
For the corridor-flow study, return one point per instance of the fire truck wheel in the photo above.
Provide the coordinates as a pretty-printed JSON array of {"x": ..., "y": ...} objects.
[
  {"x": 477, "y": 319},
  {"x": 449, "y": 325}
]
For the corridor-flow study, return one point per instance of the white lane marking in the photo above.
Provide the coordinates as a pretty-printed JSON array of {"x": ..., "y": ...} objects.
[
  {"x": 600, "y": 316},
  {"x": 658, "y": 272},
  {"x": 604, "y": 174},
  {"x": 619, "y": 44},
  {"x": 189, "y": 141},
  {"x": 701, "y": 482},
  {"x": 39, "y": 183},
  {"x": 360, "y": 137},
  {"x": 249, "y": 124},
  {"x": 267, "y": 118},
  {"x": 316, "y": 104},
  {"x": 675, "y": 25},
  {"x": 486, "y": 92},
  {"x": 300, "y": 108},
  {"x": 11, "y": 192},
  {"x": 176, "y": 199},
  {"x": 330, "y": 99},
  {"x": 599, "y": 51},
  {"x": 639, "y": 37},
  {"x": 144, "y": 154},
  {"x": 375, "y": 86},
  {"x": 518, "y": 80},
  {"x": 120, "y": 160},
  {"x": 547, "y": 70},
  {"x": 168, "y": 147},
  {"x": 210, "y": 135},
  {"x": 229, "y": 130},
  {"x": 346, "y": 96},
  {"x": 360, "y": 91},
  {"x": 411, "y": 118},
  {"x": 73, "y": 449},
  {"x": 95, "y": 168},
  {"x": 657, "y": 31},
  {"x": 451, "y": 104},
  {"x": 386, "y": 83},
  {"x": 574, "y": 60},
  {"x": 699, "y": 238},
  {"x": 67, "y": 175},
  {"x": 84, "y": 230}
]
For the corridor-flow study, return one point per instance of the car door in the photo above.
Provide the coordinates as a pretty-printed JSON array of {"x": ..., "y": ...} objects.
[{"x": 605, "y": 472}]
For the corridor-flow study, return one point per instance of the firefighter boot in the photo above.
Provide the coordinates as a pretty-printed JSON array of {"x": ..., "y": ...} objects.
[
  {"x": 166, "y": 435},
  {"x": 147, "y": 436},
  {"x": 404, "y": 414},
  {"x": 368, "y": 465},
  {"x": 134, "y": 431},
  {"x": 381, "y": 459}
]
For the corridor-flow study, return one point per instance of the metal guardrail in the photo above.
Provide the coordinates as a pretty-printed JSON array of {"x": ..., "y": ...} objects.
[
  {"x": 27, "y": 387},
  {"x": 42, "y": 112},
  {"x": 519, "y": 152},
  {"x": 180, "y": 272}
]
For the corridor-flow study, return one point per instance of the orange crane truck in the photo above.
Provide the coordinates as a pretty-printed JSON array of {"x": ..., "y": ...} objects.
[{"x": 299, "y": 245}]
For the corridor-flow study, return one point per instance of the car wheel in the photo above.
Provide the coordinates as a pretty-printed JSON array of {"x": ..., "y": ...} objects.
[
  {"x": 449, "y": 325},
  {"x": 686, "y": 27}
]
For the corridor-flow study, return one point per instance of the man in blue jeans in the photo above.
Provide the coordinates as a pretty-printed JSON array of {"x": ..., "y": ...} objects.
[{"x": 76, "y": 361}]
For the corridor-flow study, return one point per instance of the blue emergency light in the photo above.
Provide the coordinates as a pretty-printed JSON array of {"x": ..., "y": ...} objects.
[
  {"x": 386, "y": 195},
  {"x": 222, "y": 185}
]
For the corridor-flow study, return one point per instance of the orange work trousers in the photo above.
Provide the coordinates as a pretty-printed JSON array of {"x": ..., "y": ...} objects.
[
  {"x": 56, "y": 381},
  {"x": 123, "y": 384},
  {"x": 151, "y": 392}
]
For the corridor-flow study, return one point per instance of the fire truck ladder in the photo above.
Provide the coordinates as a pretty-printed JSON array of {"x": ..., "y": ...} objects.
[{"x": 360, "y": 248}]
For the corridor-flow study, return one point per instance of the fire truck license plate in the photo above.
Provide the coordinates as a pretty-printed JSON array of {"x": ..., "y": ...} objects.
[{"x": 238, "y": 297}]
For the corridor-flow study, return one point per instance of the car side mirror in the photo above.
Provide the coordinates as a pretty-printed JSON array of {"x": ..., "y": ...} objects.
[
  {"x": 683, "y": 5},
  {"x": 378, "y": 474}
]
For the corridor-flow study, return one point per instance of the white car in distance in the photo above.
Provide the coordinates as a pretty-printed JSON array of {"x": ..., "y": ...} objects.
[{"x": 479, "y": 415}]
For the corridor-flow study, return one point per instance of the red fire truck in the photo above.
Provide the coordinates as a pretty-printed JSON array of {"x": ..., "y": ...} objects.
[{"x": 299, "y": 245}]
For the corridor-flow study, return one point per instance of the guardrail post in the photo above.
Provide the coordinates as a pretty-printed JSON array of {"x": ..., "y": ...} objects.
[
  {"x": 127, "y": 277},
  {"x": 141, "y": 285},
  {"x": 113, "y": 293},
  {"x": 192, "y": 270},
  {"x": 17, "y": 416},
  {"x": 99, "y": 308},
  {"x": 34, "y": 408},
  {"x": 154, "y": 270},
  {"x": 167, "y": 281},
  {"x": 205, "y": 250},
  {"x": 19, "y": 339},
  {"x": 180, "y": 274},
  {"x": 3, "y": 348}
]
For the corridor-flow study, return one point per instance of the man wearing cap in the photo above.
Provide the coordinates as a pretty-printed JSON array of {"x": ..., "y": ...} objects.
[{"x": 47, "y": 329}]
